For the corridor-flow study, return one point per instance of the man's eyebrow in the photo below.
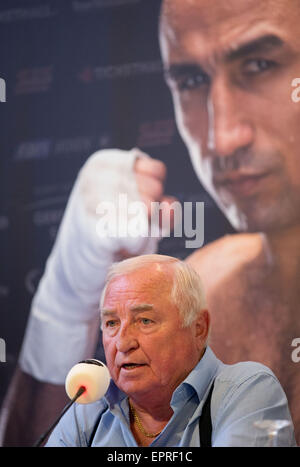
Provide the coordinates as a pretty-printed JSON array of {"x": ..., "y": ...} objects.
[
  {"x": 141, "y": 307},
  {"x": 107, "y": 311},
  {"x": 263, "y": 44},
  {"x": 137, "y": 308}
]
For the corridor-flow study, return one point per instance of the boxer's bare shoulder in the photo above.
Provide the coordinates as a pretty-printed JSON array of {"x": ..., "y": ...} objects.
[{"x": 227, "y": 257}]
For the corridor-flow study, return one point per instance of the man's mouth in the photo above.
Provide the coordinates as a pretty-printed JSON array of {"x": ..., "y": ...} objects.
[
  {"x": 240, "y": 185},
  {"x": 132, "y": 366}
]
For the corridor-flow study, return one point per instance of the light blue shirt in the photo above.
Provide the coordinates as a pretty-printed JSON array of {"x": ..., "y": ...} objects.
[{"x": 243, "y": 393}]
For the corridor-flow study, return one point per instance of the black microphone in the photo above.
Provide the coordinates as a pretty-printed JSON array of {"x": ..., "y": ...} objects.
[{"x": 86, "y": 382}]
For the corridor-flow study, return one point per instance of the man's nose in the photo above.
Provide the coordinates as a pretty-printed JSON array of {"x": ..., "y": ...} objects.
[
  {"x": 229, "y": 125},
  {"x": 126, "y": 339}
]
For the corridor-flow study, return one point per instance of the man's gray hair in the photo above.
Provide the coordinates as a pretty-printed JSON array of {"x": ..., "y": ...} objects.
[{"x": 187, "y": 292}]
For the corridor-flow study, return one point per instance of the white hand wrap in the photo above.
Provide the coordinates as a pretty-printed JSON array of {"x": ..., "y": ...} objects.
[{"x": 63, "y": 326}]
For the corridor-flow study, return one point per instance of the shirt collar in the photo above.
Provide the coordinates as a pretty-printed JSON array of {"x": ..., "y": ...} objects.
[
  {"x": 201, "y": 377},
  {"x": 114, "y": 395}
]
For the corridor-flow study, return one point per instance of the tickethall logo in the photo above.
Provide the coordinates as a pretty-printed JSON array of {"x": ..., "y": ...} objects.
[
  {"x": 2, "y": 350},
  {"x": 2, "y": 90},
  {"x": 123, "y": 218}
]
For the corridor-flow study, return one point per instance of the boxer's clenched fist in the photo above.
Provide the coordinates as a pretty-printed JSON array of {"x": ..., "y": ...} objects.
[
  {"x": 110, "y": 176},
  {"x": 150, "y": 177}
]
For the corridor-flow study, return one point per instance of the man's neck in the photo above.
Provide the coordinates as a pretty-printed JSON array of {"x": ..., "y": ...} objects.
[
  {"x": 159, "y": 409},
  {"x": 282, "y": 250}
]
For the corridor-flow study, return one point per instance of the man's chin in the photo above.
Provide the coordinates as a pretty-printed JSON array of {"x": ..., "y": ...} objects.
[
  {"x": 260, "y": 213},
  {"x": 254, "y": 222},
  {"x": 136, "y": 391}
]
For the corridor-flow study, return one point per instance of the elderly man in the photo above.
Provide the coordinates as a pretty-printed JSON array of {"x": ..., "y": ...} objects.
[
  {"x": 229, "y": 66},
  {"x": 155, "y": 328}
]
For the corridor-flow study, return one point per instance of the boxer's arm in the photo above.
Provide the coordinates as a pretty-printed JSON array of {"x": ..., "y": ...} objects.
[{"x": 29, "y": 408}]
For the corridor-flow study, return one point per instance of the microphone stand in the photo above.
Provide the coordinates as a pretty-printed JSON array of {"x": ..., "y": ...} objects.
[{"x": 42, "y": 438}]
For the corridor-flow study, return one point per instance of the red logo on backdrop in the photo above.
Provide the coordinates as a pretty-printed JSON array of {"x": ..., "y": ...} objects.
[
  {"x": 86, "y": 75},
  {"x": 34, "y": 80}
]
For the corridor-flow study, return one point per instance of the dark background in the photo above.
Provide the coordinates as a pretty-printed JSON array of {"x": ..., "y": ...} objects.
[{"x": 80, "y": 75}]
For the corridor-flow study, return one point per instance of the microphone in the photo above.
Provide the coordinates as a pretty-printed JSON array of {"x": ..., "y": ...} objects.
[{"x": 86, "y": 382}]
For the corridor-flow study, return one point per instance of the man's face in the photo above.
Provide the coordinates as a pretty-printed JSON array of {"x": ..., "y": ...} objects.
[
  {"x": 148, "y": 352},
  {"x": 230, "y": 66}
]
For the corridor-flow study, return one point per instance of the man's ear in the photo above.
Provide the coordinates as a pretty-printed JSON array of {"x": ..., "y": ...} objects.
[{"x": 202, "y": 326}]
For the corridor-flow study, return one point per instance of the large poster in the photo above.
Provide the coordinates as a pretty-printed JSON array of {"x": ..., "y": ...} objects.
[{"x": 215, "y": 100}]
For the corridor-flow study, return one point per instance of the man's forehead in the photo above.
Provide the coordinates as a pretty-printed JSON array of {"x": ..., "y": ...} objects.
[
  {"x": 208, "y": 13},
  {"x": 145, "y": 282},
  {"x": 216, "y": 21}
]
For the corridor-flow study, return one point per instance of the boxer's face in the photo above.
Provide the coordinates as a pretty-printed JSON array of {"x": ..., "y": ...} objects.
[{"x": 230, "y": 66}]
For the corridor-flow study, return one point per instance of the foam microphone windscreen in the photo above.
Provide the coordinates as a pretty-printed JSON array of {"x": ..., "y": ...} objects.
[{"x": 91, "y": 374}]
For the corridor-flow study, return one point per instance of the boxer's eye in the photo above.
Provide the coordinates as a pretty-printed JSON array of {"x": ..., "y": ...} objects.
[
  {"x": 186, "y": 77},
  {"x": 258, "y": 65},
  {"x": 193, "y": 81}
]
